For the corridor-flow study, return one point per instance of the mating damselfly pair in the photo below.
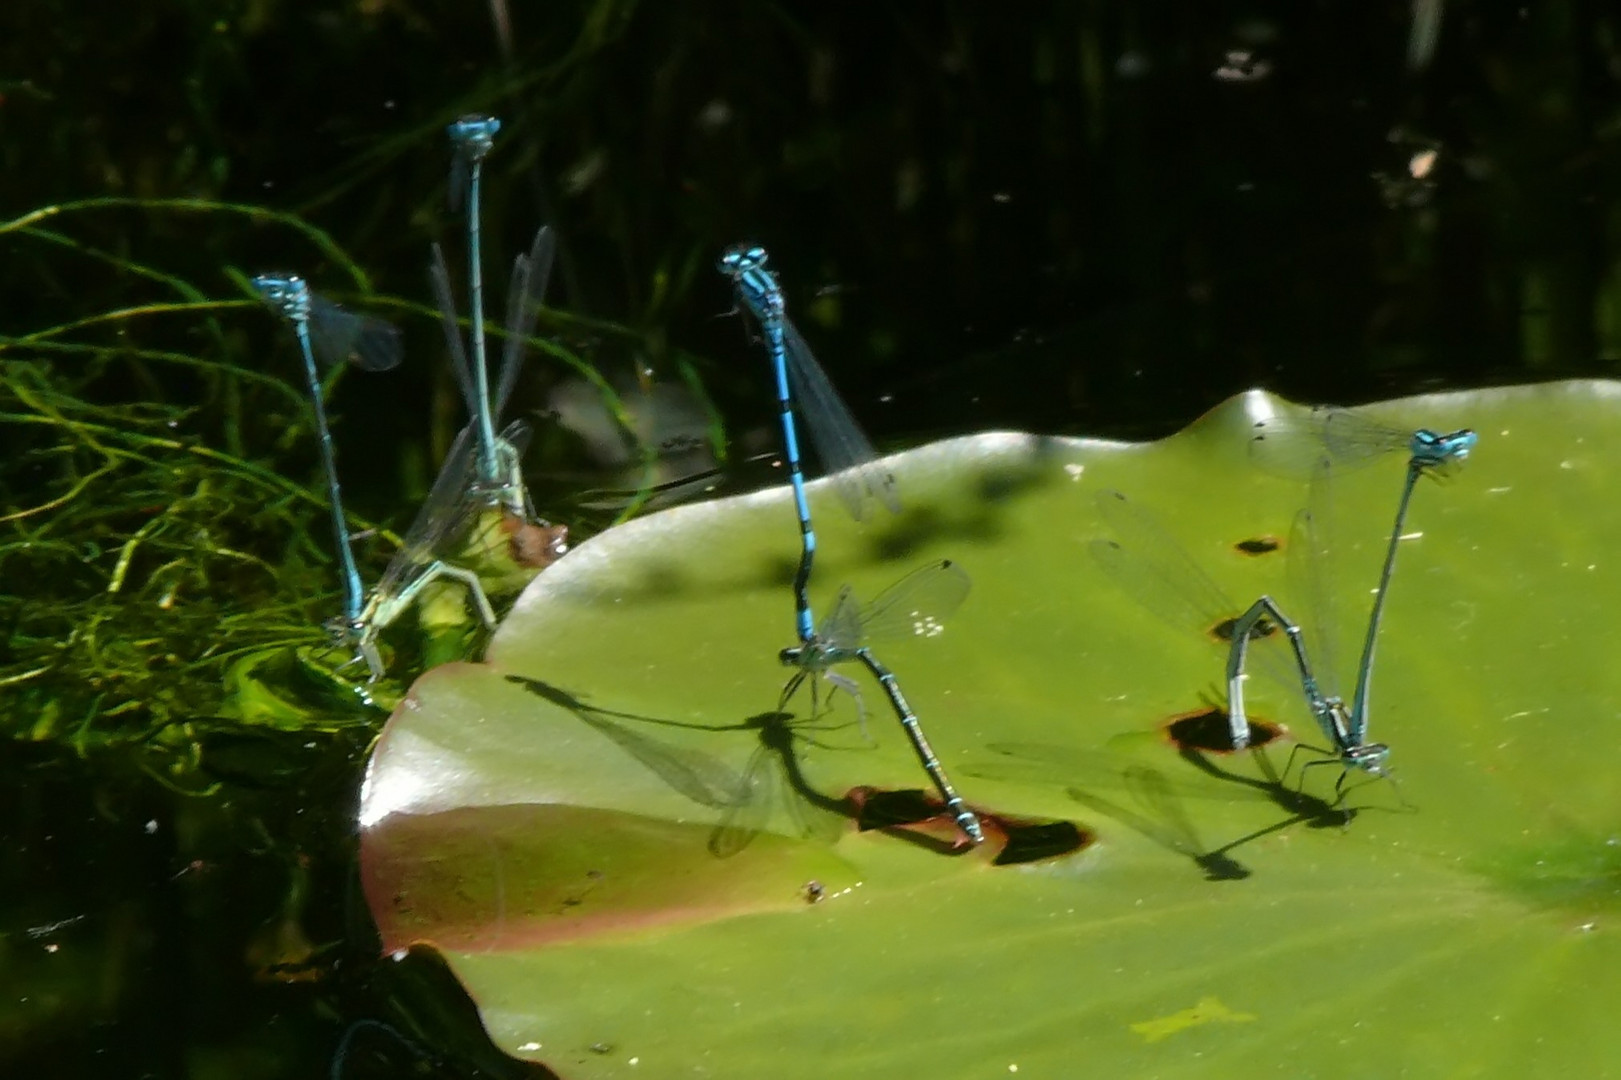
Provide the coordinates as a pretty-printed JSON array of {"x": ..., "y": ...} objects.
[
  {"x": 913, "y": 606},
  {"x": 1143, "y": 559},
  {"x": 481, "y": 475}
]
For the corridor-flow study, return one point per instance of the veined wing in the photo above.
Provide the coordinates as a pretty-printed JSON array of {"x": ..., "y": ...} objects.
[
  {"x": 1153, "y": 569},
  {"x": 844, "y": 450},
  {"x": 917, "y": 605},
  {"x": 341, "y": 336},
  {"x": 530, "y": 275},
  {"x": 446, "y": 510},
  {"x": 439, "y": 278},
  {"x": 1310, "y": 577},
  {"x": 841, "y": 628},
  {"x": 1289, "y": 444}
]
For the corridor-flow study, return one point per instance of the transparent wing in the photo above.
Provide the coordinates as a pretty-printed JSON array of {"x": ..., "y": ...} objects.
[
  {"x": 841, "y": 628},
  {"x": 461, "y": 176},
  {"x": 1154, "y": 570},
  {"x": 846, "y": 455},
  {"x": 917, "y": 605},
  {"x": 1351, "y": 439},
  {"x": 512, "y": 491},
  {"x": 530, "y": 275},
  {"x": 1289, "y": 444},
  {"x": 517, "y": 435},
  {"x": 1310, "y": 571},
  {"x": 340, "y": 336},
  {"x": 443, "y": 513},
  {"x": 439, "y": 278}
]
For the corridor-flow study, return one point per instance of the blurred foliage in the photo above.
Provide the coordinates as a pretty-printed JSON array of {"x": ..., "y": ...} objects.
[
  {"x": 1194, "y": 198},
  {"x": 144, "y": 559}
]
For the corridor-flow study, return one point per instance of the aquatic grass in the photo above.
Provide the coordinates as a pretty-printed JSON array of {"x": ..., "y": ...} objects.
[
  {"x": 320, "y": 239},
  {"x": 157, "y": 524},
  {"x": 125, "y": 564},
  {"x": 193, "y": 302}
]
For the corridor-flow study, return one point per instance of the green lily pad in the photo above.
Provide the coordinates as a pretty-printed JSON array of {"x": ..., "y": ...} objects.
[{"x": 594, "y": 828}]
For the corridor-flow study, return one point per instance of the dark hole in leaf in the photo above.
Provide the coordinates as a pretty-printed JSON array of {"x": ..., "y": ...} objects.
[
  {"x": 1208, "y": 730},
  {"x": 914, "y": 816},
  {"x": 1026, "y": 841},
  {"x": 1258, "y": 545},
  {"x": 1223, "y": 631},
  {"x": 888, "y": 809},
  {"x": 1040, "y": 840}
]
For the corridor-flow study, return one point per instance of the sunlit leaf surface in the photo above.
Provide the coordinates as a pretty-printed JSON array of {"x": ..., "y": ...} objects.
[{"x": 587, "y": 827}]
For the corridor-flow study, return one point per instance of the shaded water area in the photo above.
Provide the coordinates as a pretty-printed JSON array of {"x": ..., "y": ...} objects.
[{"x": 1085, "y": 219}]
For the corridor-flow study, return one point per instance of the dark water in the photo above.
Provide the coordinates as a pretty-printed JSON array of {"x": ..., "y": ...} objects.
[{"x": 1080, "y": 218}]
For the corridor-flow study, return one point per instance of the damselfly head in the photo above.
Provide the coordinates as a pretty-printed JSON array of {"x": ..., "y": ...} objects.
[
  {"x": 790, "y": 656},
  {"x": 1431, "y": 449},
  {"x": 473, "y": 136},
  {"x": 286, "y": 293},
  {"x": 739, "y": 259}
]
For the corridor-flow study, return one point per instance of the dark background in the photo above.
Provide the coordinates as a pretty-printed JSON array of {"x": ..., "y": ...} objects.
[
  {"x": 1065, "y": 217},
  {"x": 1052, "y": 216}
]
